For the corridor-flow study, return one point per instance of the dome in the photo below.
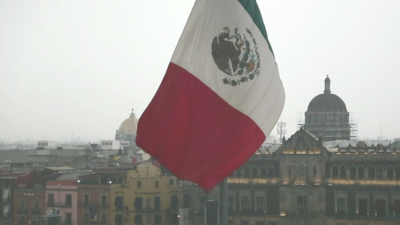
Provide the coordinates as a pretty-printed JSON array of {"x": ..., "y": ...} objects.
[
  {"x": 129, "y": 126},
  {"x": 327, "y": 102}
]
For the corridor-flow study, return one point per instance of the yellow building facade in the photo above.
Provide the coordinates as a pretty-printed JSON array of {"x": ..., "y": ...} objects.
[{"x": 147, "y": 197}]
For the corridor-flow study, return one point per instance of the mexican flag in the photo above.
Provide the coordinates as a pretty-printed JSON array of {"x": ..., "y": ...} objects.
[{"x": 220, "y": 98}]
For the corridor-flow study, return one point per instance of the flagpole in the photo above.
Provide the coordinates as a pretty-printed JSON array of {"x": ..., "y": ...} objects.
[{"x": 223, "y": 199}]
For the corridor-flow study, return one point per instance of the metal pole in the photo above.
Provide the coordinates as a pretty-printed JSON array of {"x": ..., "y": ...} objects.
[{"x": 223, "y": 201}]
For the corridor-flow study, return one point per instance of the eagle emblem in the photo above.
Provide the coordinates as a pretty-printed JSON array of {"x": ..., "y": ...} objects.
[{"x": 236, "y": 55}]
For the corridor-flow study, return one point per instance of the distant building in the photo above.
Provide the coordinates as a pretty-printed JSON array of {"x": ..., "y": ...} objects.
[
  {"x": 327, "y": 116},
  {"x": 110, "y": 145},
  {"x": 127, "y": 131},
  {"x": 305, "y": 182}
]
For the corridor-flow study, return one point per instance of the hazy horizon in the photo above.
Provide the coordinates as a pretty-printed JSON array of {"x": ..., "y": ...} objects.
[{"x": 77, "y": 68}]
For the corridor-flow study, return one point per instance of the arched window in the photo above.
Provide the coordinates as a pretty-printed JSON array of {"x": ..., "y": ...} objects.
[
  {"x": 371, "y": 173},
  {"x": 397, "y": 172},
  {"x": 247, "y": 172},
  {"x": 335, "y": 172},
  {"x": 263, "y": 172},
  {"x": 379, "y": 173},
  {"x": 342, "y": 172},
  {"x": 254, "y": 171},
  {"x": 353, "y": 172},
  {"x": 301, "y": 172},
  {"x": 389, "y": 173},
  {"x": 271, "y": 171},
  {"x": 361, "y": 172}
]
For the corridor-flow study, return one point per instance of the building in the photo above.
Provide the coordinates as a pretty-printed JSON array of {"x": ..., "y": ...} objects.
[
  {"x": 29, "y": 197},
  {"x": 147, "y": 197},
  {"x": 327, "y": 116},
  {"x": 305, "y": 182},
  {"x": 94, "y": 195},
  {"x": 62, "y": 197}
]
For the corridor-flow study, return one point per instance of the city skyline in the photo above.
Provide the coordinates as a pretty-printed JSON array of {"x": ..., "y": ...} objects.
[{"x": 76, "y": 69}]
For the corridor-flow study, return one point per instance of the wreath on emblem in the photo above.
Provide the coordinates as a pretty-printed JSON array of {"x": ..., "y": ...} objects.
[{"x": 236, "y": 56}]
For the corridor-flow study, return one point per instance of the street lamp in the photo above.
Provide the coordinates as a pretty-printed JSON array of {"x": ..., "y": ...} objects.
[{"x": 28, "y": 195}]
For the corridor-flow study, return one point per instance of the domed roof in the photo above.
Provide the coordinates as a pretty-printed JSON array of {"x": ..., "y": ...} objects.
[
  {"x": 327, "y": 102},
  {"x": 129, "y": 126}
]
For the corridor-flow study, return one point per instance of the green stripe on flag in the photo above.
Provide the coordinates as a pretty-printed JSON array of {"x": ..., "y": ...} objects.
[{"x": 252, "y": 9}]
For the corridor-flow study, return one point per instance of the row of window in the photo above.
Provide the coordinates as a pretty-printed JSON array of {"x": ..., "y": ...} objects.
[
  {"x": 370, "y": 173},
  {"x": 268, "y": 172},
  {"x": 245, "y": 204}
]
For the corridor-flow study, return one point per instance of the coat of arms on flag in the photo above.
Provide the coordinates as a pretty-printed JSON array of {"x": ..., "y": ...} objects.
[{"x": 236, "y": 56}]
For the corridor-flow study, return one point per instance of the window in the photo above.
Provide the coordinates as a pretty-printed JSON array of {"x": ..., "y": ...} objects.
[
  {"x": 379, "y": 173},
  {"x": 157, "y": 184},
  {"x": 138, "y": 203},
  {"x": 148, "y": 202},
  {"x": 245, "y": 203},
  {"x": 352, "y": 173},
  {"x": 380, "y": 207},
  {"x": 342, "y": 172},
  {"x": 103, "y": 218},
  {"x": 361, "y": 173},
  {"x": 362, "y": 207},
  {"x": 86, "y": 218},
  {"x": 301, "y": 172},
  {"x": 389, "y": 173},
  {"x": 230, "y": 203},
  {"x": 50, "y": 199},
  {"x": 119, "y": 203},
  {"x": 139, "y": 184},
  {"x": 244, "y": 222},
  {"x": 174, "y": 201},
  {"x": 37, "y": 205},
  {"x": 86, "y": 200},
  {"x": 302, "y": 204},
  {"x": 371, "y": 173},
  {"x": 270, "y": 171},
  {"x": 260, "y": 223},
  {"x": 157, "y": 219},
  {"x": 397, "y": 172},
  {"x": 171, "y": 182},
  {"x": 68, "y": 200},
  {"x": 103, "y": 201},
  {"x": 290, "y": 170},
  {"x": 335, "y": 172},
  {"x": 119, "y": 219},
  {"x": 341, "y": 205},
  {"x": 68, "y": 218},
  {"x": 315, "y": 171},
  {"x": 157, "y": 203},
  {"x": 138, "y": 219},
  {"x": 260, "y": 204},
  {"x": 186, "y": 200},
  {"x": 254, "y": 172}
]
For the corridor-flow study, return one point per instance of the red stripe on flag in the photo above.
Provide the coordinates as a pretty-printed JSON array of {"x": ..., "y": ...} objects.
[{"x": 194, "y": 133}]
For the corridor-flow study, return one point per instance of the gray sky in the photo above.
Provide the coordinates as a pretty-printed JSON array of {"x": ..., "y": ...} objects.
[{"x": 80, "y": 66}]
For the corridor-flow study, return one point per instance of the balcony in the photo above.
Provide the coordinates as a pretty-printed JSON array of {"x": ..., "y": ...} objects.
[
  {"x": 97, "y": 204},
  {"x": 148, "y": 209},
  {"x": 247, "y": 212},
  {"x": 60, "y": 204}
]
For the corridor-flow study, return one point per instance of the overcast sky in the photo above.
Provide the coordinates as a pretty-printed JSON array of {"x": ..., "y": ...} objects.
[{"x": 78, "y": 67}]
